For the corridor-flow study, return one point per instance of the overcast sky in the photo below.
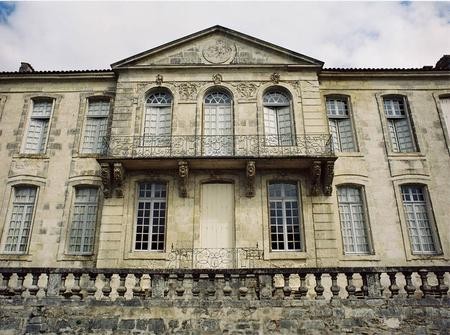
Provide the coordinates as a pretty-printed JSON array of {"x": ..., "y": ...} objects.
[{"x": 92, "y": 35}]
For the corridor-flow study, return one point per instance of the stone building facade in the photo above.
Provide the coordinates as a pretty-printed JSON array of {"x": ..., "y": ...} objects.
[{"x": 222, "y": 150}]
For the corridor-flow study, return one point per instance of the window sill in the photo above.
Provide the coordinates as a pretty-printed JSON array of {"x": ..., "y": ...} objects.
[
  {"x": 426, "y": 257},
  {"x": 280, "y": 255},
  {"x": 16, "y": 257},
  {"x": 158, "y": 255},
  {"x": 348, "y": 154},
  {"x": 89, "y": 156},
  {"x": 406, "y": 155},
  {"x": 32, "y": 156},
  {"x": 73, "y": 257},
  {"x": 356, "y": 258}
]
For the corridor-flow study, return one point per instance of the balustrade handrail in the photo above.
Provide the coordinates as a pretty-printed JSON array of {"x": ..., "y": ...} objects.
[{"x": 219, "y": 145}]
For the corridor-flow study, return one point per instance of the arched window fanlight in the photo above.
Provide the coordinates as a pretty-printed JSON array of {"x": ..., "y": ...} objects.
[
  {"x": 276, "y": 98},
  {"x": 217, "y": 97},
  {"x": 160, "y": 98}
]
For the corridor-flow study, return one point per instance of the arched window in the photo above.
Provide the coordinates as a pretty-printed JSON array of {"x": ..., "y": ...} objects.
[
  {"x": 158, "y": 119},
  {"x": 278, "y": 125},
  {"x": 217, "y": 124}
]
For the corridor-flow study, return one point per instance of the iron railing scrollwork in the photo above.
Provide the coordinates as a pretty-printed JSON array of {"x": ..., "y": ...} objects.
[{"x": 185, "y": 146}]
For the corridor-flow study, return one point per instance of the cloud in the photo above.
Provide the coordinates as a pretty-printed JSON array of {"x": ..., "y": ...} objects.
[{"x": 92, "y": 35}]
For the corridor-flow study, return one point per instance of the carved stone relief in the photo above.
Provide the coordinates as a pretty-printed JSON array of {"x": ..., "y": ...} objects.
[
  {"x": 188, "y": 91},
  {"x": 246, "y": 90},
  {"x": 105, "y": 173},
  {"x": 328, "y": 176},
  {"x": 250, "y": 173},
  {"x": 217, "y": 78},
  {"x": 219, "y": 51},
  {"x": 112, "y": 175},
  {"x": 316, "y": 171},
  {"x": 118, "y": 174},
  {"x": 275, "y": 77},
  {"x": 183, "y": 174},
  {"x": 159, "y": 79}
]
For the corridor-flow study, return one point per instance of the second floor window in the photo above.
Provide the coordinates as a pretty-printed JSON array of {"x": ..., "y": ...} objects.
[
  {"x": 445, "y": 107},
  {"x": 399, "y": 125},
  {"x": 96, "y": 128},
  {"x": 38, "y": 126},
  {"x": 284, "y": 217},
  {"x": 278, "y": 125},
  {"x": 353, "y": 220},
  {"x": 84, "y": 219},
  {"x": 21, "y": 219},
  {"x": 340, "y": 124},
  {"x": 151, "y": 217},
  {"x": 158, "y": 119}
]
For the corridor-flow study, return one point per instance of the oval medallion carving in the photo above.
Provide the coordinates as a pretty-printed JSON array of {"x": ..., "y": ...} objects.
[{"x": 219, "y": 51}]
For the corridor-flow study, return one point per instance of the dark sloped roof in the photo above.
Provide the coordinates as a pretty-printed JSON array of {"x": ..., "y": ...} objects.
[{"x": 57, "y": 72}]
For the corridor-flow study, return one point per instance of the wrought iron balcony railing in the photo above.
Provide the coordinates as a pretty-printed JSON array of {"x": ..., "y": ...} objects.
[{"x": 186, "y": 146}]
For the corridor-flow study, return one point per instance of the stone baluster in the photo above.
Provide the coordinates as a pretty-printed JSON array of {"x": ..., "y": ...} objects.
[
  {"x": 76, "y": 288},
  {"x": 148, "y": 292},
  {"x": 5, "y": 290},
  {"x": 442, "y": 288},
  {"x": 286, "y": 288},
  {"x": 211, "y": 289},
  {"x": 252, "y": 287},
  {"x": 243, "y": 289},
  {"x": 302, "y": 289},
  {"x": 62, "y": 288},
  {"x": 34, "y": 288},
  {"x": 179, "y": 290},
  {"x": 335, "y": 288},
  {"x": 373, "y": 285},
  {"x": 19, "y": 289},
  {"x": 91, "y": 289},
  {"x": 106, "y": 289},
  {"x": 168, "y": 285},
  {"x": 393, "y": 287},
  {"x": 121, "y": 290},
  {"x": 195, "y": 285},
  {"x": 158, "y": 286},
  {"x": 425, "y": 287},
  {"x": 409, "y": 287},
  {"x": 227, "y": 290},
  {"x": 350, "y": 288},
  {"x": 265, "y": 287},
  {"x": 319, "y": 289},
  {"x": 365, "y": 286},
  {"x": 137, "y": 290}
]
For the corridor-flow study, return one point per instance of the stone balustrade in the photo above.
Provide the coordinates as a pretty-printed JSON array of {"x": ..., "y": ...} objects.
[{"x": 222, "y": 284}]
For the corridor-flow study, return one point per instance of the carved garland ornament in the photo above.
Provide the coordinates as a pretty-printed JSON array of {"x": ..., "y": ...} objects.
[
  {"x": 316, "y": 172},
  {"x": 250, "y": 173},
  {"x": 183, "y": 174},
  {"x": 328, "y": 177},
  {"x": 246, "y": 90}
]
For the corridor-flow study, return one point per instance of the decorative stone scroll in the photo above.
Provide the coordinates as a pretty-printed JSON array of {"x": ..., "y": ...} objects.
[
  {"x": 250, "y": 173},
  {"x": 183, "y": 174},
  {"x": 105, "y": 173},
  {"x": 188, "y": 91},
  {"x": 328, "y": 175},
  {"x": 118, "y": 176},
  {"x": 316, "y": 171}
]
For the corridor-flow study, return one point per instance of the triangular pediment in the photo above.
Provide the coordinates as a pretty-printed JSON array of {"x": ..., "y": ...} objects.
[{"x": 217, "y": 46}]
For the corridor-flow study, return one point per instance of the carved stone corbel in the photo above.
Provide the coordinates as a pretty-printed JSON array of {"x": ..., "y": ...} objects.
[
  {"x": 105, "y": 173},
  {"x": 118, "y": 176},
  {"x": 328, "y": 175},
  {"x": 250, "y": 173},
  {"x": 183, "y": 174},
  {"x": 316, "y": 172}
]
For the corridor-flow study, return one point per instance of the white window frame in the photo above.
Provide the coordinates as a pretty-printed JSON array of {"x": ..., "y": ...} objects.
[
  {"x": 298, "y": 237},
  {"x": 157, "y": 104},
  {"x": 101, "y": 130},
  {"x": 335, "y": 121},
  {"x": 86, "y": 226},
  {"x": 45, "y": 120},
  {"x": 351, "y": 208},
  {"x": 273, "y": 135},
  {"x": 151, "y": 201},
  {"x": 431, "y": 225},
  {"x": 393, "y": 121},
  {"x": 16, "y": 246}
]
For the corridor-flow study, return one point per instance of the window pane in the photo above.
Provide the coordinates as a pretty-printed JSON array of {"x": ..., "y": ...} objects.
[
  {"x": 340, "y": 124},
  {"x": 84, "y": 218},
  {"x": 151, "y": 217},
  {"x": 284, "y": 217},
  {"x": 398, "y": 125},
  {"x": 36, "y": 135},
  {"x": 417, "y": 219},
  {"x": 352, "y": 217},
  {"x": 98, "y": 108},
  {"x": 95, "y": 134},
  {"x": 21, "y": 219}
]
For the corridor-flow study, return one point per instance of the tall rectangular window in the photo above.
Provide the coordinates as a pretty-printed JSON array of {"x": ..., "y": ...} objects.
[
  {"x": 20, "y": 222},
  {"x": 399, "y": 125},
  {"x": 151, "y": 217},
  {"x": 417, "y": 213},
  {"x": 353, "y": 220},
  {"x": 84, "y": 218},
  {"x": 96, "y": 126},
  {"x": 38, "y": 126},
  {"x": 340, "y": 124},
  {"x": 278, "y": 123},
  {"x": 284, "y": 217}
]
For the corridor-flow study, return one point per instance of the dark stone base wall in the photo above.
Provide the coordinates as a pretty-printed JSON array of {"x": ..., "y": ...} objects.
[{"x": 365, "y": 316}]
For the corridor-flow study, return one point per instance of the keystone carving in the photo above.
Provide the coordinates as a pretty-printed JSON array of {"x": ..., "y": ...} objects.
[
  {"x": 316, "y": 171},
  {"x": 159, "y": 79},
  {"x": 183, "y": 174},
  {"x": 217, "y": 78},
  {"x": 275, "y": 77},
  {"x": 328, "y": 175},
  {"x": 250, "y": 173},
  {"x": 105, "y": 173},
  {"x": 118, "y": 176}
]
